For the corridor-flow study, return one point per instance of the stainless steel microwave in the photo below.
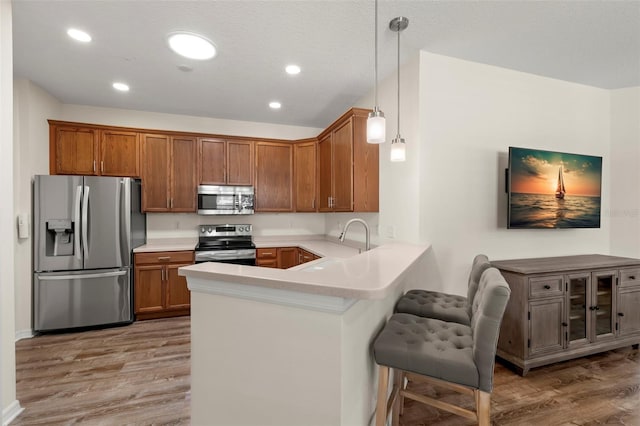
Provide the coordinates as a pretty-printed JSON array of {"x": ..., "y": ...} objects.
[{"x": 224, "y": 199}]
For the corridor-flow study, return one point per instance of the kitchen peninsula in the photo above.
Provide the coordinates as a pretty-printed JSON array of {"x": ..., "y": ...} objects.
[{"x": 292, "y": 347}]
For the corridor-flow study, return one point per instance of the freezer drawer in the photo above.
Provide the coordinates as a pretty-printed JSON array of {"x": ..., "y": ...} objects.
[{"x": 65, "y": 300}]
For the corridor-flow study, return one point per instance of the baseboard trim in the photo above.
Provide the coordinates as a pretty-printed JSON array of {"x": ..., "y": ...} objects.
[
  {"x": 24, "y": 334},
  {"x": 11, "y": 412}
]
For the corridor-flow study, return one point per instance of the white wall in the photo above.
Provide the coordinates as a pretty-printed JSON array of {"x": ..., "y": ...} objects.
[
  {"x": 625, "y": 172},
  {"x": 459, "y": 130},
  {"x": 32, "y": 107},
  {"x": 10, "y": 405}
]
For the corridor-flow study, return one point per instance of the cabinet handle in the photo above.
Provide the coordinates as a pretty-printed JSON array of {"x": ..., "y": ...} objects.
[
  {"x": 267, "y": 253},
  {"x": 164, "y": 258},
  {"x": 171, "y": 203},
  {"x": 547, "y": 286},
  {"x": 564, "y": 324},
  {"x": 313, "y": 203},
  {"x": 94, "y": 166},
  {"x": 620, "y": 314},
  {"x": 632, "y": 277},
  {"x": 101, "y": 166}
]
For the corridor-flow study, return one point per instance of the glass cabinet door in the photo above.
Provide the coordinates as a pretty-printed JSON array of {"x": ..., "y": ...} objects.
[
  {"x": 602, "y": 303},
  {"x": 577, "y": 289}
]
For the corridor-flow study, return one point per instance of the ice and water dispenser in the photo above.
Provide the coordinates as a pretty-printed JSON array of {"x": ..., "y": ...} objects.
[{"x": 59, "y": 240}]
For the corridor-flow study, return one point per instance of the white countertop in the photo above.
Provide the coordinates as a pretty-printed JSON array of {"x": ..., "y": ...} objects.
[
  {"x": 341, "y": 272},
  {"x": 167, "y": 244}
]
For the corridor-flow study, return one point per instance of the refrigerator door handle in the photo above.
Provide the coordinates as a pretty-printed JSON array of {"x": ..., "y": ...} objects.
[
  {"x": 85, "y": 225},
  {"x": 76, "y": 223},
  {"x": 124, "y": 194},
  {"x": 79, "y": 276}
]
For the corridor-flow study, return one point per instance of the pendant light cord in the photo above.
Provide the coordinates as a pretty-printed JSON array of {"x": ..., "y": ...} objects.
[
  {"x": 375, "y": 34},
  {"x": 398, "y": 83}
]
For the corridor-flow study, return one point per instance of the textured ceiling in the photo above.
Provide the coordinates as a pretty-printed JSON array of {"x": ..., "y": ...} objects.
[{"x": 595, "y": 43}]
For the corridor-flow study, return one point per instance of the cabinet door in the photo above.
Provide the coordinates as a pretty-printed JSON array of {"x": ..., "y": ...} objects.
[
  {"x": 342, "y": 142},
  {"x": 212, "y": 161},
  {"x": 239, "y": 163},
  {"x": 602, "y": 305},
  {"x": 325, "y": 191},
  {"x": 149, "y": 289},
  {"x": 578, "y": 303},
  {"x": 287, "y": 257},
  {"x": 628, "y": 313},
  {"x": 178, "y": 294},
  {"x": 183, "y": 174},
  {"x": 76, "y": 151},
  {"x": 305, "y": 176},
  {"x": 546, "y": 333},
  {"x": 119, "y": 153},
  {"x": 155, "y": 173},
  {"x": 274, "y": 173}
]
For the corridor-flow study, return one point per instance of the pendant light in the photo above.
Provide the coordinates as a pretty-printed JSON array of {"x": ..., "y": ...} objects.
[
  {"x": 376, "y": 127},
  {"x": 398, "y": 152}
]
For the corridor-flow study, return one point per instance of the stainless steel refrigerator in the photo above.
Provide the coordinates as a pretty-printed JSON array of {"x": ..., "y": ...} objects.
[{"x": 84, "y": 231}]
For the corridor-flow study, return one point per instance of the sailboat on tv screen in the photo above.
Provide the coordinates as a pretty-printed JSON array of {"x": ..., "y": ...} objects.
[{"x": 560, "y": 191}]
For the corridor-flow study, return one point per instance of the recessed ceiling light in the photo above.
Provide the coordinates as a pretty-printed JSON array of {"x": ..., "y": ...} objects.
[
  {"x": 292, "y": 69},
  {"x": 121, "y": 87},
  {"x": 275, "y": 105},
  {"x": 191, "y": 46},
  {"x": 78, "y": 35}
]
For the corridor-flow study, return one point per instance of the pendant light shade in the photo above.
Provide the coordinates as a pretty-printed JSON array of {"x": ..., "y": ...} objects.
[
  {"x": 398, "y": 147},
  {"x": 398, "y": 152},
  {"x": 376, "y": 124}
]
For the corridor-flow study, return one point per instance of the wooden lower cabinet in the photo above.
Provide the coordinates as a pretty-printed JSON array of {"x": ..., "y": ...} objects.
[
  {"x": 159, "y": 291},
  {"x": 567, "y": 307},
  {"x": 283, "y": 257}
]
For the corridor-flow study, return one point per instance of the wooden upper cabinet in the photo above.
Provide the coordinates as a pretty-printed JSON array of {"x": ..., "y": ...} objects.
[
  {"x": 348, "y": 167},
  {"x": 325, "y": 179},
  {"x": 274, "y": 175},
  {"x": 78, "y": 150},
  {"x": 342, "y": 145},
  {"x": 168, "y": 175},
  {"x": 183, "y": 175},
  {"x": 225, "y": 162},
  {"x": 305, "y": 176},
  {"x": 119, "y": 153},
  {"x": 155, "y": 172},
  {"x": 73, "y": 150}
]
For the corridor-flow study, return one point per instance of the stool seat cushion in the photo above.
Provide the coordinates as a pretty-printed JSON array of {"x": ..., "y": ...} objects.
[
  {"x": 436, "y": 305},
  {"x": 429, "y": 347}
]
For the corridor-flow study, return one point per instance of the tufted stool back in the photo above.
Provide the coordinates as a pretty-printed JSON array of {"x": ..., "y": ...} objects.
[
  {"x": 480, "y": 264},
  {"x": 488, "y": 308}
]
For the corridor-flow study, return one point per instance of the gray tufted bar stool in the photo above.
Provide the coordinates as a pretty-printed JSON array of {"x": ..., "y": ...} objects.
[
  {"x": 444, "y": 306},
  {"x": 444, "y": 354}
]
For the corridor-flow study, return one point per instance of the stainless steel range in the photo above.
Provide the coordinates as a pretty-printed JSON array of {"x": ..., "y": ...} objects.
[{"x": 226, "y": 243}]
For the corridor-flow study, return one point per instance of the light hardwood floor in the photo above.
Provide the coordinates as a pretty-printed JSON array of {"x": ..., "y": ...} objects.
[{"x": 140, "y": 375}]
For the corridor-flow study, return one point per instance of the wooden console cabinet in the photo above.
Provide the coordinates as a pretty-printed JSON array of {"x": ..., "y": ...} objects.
[{"x": 567, "y": 307}]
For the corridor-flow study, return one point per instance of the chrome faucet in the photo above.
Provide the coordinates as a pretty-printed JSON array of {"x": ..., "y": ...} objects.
[{"x": 367, "y": 245}]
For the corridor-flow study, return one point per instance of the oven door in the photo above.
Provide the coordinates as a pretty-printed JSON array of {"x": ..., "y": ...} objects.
[{"x": 238, "y": 256}]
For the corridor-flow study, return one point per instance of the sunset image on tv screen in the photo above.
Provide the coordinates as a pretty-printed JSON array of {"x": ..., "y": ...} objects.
[{"x": 553, "y": 189}]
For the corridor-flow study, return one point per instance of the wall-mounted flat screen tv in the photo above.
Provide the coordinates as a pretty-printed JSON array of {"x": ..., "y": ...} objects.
[{"x": 549, "y": 189}]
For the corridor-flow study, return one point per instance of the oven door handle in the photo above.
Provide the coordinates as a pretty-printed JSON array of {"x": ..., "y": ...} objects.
[{"x": 226, "y": 255}]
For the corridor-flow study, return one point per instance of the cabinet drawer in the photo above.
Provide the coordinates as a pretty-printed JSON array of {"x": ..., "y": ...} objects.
[
  {"x": 163, "y": 257},
  {"x": 266, "y": 253},
  {"x": 629, "y": 277},
  {"x": 545, "y": 286}
]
